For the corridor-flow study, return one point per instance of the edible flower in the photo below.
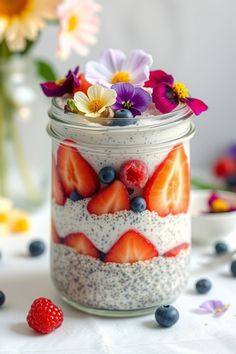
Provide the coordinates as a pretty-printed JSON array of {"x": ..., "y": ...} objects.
[
  {"x": 78, "y": 26},
  {"x": 167, "y": 94},
  {"x": 114, "y": 67},
  {"x": 132, "y": 98},
  {"x": 96, "y": 101},
  {"x": 219, "y": 205},
  {"x": 216, "y": 307},
  {"x": 12, "y": 220},
  {"x": 58, "y": 88}
]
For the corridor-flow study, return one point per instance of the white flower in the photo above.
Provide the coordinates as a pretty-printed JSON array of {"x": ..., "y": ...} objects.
[
  {"x": 21, "y": 20},
  {"x": 96, "y": 101},
  {"x": 114, "y": 67},
  {"x": 78, "y": 26}
]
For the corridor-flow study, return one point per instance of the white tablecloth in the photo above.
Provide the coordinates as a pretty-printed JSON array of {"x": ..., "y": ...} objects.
[{"x": 23, "y": 279}]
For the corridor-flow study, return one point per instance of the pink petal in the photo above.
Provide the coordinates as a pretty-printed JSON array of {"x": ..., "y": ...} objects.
[
  {"x": 113, "y": 59},
  {"x": 97, "y": 73},
  {"x": 164, "y": 98},
  {"x": 211, "y": 305},
  {"x": 157, "y": 77},
  {"x": 197, "y": 106},
  {"x": 137, "y": 64}
]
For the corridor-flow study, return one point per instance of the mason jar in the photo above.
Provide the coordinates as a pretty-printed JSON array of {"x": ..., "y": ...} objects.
[{"x": 120, "y": 210}]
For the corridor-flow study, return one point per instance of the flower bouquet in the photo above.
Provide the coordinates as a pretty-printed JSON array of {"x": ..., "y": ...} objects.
[{"x": 22, "y": 162}]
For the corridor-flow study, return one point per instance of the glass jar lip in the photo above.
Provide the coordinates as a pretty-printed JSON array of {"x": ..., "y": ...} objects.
[{"x": 73, "y": 120}]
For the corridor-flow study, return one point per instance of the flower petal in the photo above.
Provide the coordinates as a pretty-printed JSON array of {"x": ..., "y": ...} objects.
[
  {"x": 158, "y": 76},
  {"x": 125, "y": 91},
  {"x": 109, "y": 97},
  {"x": 137, "y": 60},
  {"x": 81, "y": 101},
  {"x": 95, "y": 73},
  {"x": 113, "y": 59},
  {"x": 141, "y": 99},
  {"x": 196, "y": 105},
  {"x": 95, "y": 92},
  {"x": 211, "y": 305},
  {"x": 164, "y": 99}
]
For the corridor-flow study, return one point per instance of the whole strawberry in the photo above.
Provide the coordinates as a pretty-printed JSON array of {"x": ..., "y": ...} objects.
[{"x": 44, "y": 316}]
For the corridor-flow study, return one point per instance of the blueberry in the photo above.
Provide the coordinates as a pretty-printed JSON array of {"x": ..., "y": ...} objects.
[
  {"x": 74, "y": 196},
  {"x": 138, "y": 204},
  {"x": 166, "y": 316},
  {"x": 233, "y": 268},
  {"x": 231, "y": 181},
  {"x": 2, "y": 298},
  {"x": 203, "y": 286},
  {"x": 126, "y": 118},
  {"x": 221, "y": 248},
  {"x": 107, "y": 174},
  {"x": 36, "y": 248}
]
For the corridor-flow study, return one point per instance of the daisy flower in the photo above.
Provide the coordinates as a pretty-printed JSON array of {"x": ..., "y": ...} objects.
[
  {"x": 114, "y": 67},
  {"x": 78, "y": 26},
  {"x": 21, "y": 20},
  {"x": 96, "y": 101}
]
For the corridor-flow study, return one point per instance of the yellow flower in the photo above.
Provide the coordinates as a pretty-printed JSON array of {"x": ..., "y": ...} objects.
[
  {"x": 19, "y": 221},
  {"x": 96, "y": 101},
  {"x": 5, "y": 209},
  {"x": 21, "y": 20}
]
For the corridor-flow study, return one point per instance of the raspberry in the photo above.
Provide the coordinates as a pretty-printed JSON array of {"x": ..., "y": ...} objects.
[
  {"x": 134, "y": 173},
  {"x": 224, "y": 167},
  {"x": 44, "y": 316}
]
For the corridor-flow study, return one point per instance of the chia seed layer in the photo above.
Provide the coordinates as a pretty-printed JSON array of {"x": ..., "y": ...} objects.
[
  {"x": 90, "y": 282},
  {"x": 105, "y": 230}
]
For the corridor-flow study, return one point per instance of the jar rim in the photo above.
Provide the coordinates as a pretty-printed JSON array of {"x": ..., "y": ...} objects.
[{"x": 73, "y": 120}]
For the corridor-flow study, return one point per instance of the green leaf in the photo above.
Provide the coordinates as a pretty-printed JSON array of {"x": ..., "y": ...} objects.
[{"x": 45, "y": 70}]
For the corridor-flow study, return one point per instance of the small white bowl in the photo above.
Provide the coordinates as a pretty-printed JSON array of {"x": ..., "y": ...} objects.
[{"x": 208, "y": 228}]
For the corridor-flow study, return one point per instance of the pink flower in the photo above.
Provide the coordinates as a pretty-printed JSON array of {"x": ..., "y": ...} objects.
[
  {"x": 167, "y": 94},
  {"x": 115, "y": 67},
  {"x": 78, "y": 26}
]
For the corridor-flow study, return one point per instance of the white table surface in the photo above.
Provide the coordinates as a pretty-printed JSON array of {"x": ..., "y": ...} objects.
[{"x": 23, "y": 279}]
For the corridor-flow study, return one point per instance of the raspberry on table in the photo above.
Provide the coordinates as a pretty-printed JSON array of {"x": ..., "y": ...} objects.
[{"x": 44, "y": 316}]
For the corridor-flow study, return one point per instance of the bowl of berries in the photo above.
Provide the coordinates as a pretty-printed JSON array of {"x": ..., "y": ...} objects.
[{"x": 213, "y": 215}]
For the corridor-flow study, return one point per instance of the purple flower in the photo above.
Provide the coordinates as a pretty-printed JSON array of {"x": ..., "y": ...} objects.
[
  {"x": 130, "y": 97},
  {"x": 231, "y": 151},
  {"x": 58, "y": 88},
  {"x": 216, "y": 307}
]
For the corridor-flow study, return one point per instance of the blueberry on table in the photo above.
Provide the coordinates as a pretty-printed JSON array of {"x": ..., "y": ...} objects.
[
  {"x": 138, "y": 204},
  {"x": 203, "y": 286},
  {"x": 221, "y": 248},
  {"x": 233, "y": 268},
  {"x": 2, "y": 298},
  {"x": 107, "y": 174},
  {"x": 36, "y": 248},
  {"x": 166, "y": 316}
]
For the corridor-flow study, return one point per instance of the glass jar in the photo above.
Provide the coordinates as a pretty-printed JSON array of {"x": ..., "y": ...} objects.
[
  {"x": 121, "y": 236},
  {"x": 24, "y": 157}
]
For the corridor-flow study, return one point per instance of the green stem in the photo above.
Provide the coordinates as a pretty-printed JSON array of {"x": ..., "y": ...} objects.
[
  {"x": 31, "y": 190},
  {"x": 195, "y": 182}
]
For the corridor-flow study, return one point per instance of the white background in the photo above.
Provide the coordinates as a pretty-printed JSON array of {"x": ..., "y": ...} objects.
[{"x": 195, "y": 40}]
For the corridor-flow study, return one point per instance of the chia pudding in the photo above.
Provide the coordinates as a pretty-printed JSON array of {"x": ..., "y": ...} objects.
[{"x": 120, "y": 185}]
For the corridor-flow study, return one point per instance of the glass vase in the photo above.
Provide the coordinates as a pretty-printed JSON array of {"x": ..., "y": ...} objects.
[{"x": 24, "y": 148}]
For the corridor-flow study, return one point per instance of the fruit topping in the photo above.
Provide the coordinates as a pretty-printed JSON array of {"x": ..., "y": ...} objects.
[
  {"x": 134, "y": 173},
  {"x": 57, "y": 189},
  {"x": 111, "y": 199},
  {"x": 81, "y": 244},
  {"x": 131, "y": 247},
  {"x": 176, "y": 250},
  {"x": 167, "y": 191},
  {"x": 75, "y": 172},
  {"x": 107, "y": 175},
  {"x": 138, "y": 204}
]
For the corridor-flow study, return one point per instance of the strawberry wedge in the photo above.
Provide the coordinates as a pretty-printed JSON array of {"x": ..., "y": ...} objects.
[
  {"x": 81, "y": 244},
  {"x": 57, "y": 189}
]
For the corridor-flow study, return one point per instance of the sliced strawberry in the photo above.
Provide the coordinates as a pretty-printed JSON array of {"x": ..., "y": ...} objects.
[
  {"x": 113, "y": 198},
  {"x": 57, "y": 189},
  {"x": 176, "y": 250},
  {"x": 81, "y": 244},
  {"x": 54, "y": 234},
  {"x": 167, "y": 191},
  {"x": 75, "y": 172},
  {"x": 131, "y": 247}
]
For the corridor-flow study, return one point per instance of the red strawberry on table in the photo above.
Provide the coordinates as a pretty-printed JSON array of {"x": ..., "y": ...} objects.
[
  {"x": 57, "y": 189},
  {"x": 81, "y": 244},
  {"x": 131, "y": 247},
  {"x": 176, "y": 250},
  {"x": 113, "y": 198},
  {"x": 75, "y": 172},
  {"x": 54, "y": 234},
  {"x": 167, "y": 191}
]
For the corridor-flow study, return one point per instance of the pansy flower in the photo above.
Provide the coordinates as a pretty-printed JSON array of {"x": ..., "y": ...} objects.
[
  {"x": 58, "y": 88},
  {"x": 216, "y": 307},
  {"x": 96, "y": 101},
  {"x": 132, "y": 98},
  {"x": 167, "y": 94},
  {"x": 114, "y": 67}
]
